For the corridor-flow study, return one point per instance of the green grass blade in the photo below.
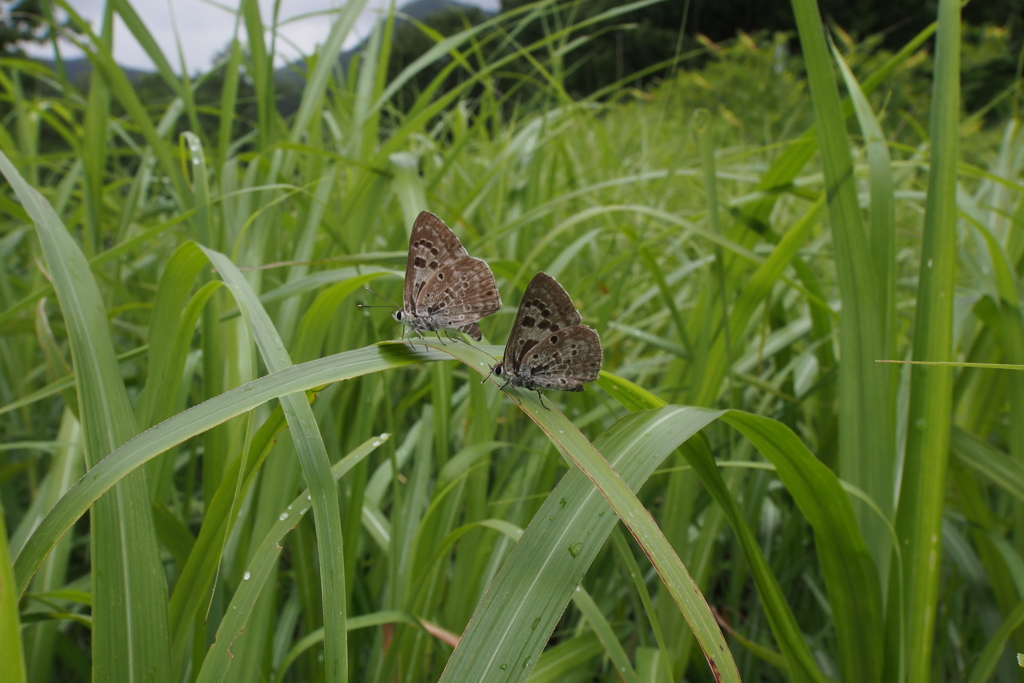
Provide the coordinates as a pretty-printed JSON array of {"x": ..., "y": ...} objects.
[
  {"x": 195, "y": 421},
  {"x": 131, "y": 641},
  {"x": 854, "y": 589},
  {"x": 527, "y": 597},
  {"x": 564, "y": 549},
  {"x": 315, "y": 466},
  {"x": 103, "y": 61},
  {"x": 866, "y": 424},
  {"x": 985, "y": 664},
  {"x": 796, "y": 653},
  {"x": 68, "y": 465},
  {"x": 12, "y": 655},
  {"x": 260, "y": 570},
  {"x": 923, "y": 487}
]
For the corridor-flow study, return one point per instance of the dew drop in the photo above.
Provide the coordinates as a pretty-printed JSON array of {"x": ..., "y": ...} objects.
[
  {"x": 246, "y": 576},
  {"x": 575, "y": 549},
  {"x": 284, "y": 516},
  {"x": 536, "y": 623}
]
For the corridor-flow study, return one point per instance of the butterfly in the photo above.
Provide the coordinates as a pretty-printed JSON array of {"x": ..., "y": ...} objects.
[
  {"x": 548, "y": 348},
  {"x": 445, "y": 287}
]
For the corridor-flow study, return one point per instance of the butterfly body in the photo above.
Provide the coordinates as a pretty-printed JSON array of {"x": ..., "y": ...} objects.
[
  {"x": 445, "y": 287},
  {"x": 548, "y": 348}
]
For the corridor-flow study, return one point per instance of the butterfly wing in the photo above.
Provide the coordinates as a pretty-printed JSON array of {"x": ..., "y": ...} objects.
[
  {"x": 564, "y": 360},
  {"x": 432, "y": 244},
  {"x": 458, "y": 294},
  {"x": 545, "y": 308}
]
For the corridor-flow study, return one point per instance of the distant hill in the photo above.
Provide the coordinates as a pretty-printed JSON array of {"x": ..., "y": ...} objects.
[
  {"x": 80, "y": 68},
  {"x": 418, "y": 10},
  {"x": 421, "y": 9}
]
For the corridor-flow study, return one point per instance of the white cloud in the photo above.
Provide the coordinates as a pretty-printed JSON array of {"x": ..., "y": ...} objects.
[{"x": 205, "y": 28}]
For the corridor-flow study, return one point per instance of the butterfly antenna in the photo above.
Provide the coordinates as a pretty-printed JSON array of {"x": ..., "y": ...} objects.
[{"x": 381, "y": 296}]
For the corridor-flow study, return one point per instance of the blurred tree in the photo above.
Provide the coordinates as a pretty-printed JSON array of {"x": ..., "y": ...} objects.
[
  {"x": 410, "y": 42},
  {"x": 27, "y": 21},
  {"x": 649, "y": 36},
  {"x": 612, "y": 51}
]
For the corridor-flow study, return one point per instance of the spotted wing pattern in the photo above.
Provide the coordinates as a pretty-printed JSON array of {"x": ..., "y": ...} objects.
[
  {"x": 444, "y": 285},
  {"x": 432, "y": 244},
  {"x": 459, "y": 294},
  {"x": 548, "y": 348},
  {"x": 564, "y": 360}
]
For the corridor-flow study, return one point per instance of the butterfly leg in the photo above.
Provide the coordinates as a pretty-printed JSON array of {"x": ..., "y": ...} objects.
[
  {"x": 515, "y": 393},
  {"x": 412, "y": 331},
  {"x": 541, "y": 397}
]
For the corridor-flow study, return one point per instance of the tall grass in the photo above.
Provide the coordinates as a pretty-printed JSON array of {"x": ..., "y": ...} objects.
[{"x": 179, "y": 325}]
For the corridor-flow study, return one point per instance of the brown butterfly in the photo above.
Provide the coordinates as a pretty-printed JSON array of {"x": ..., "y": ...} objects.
[
  {"x": 445, "y": 287},
  {"x": 548, "y": 348}
]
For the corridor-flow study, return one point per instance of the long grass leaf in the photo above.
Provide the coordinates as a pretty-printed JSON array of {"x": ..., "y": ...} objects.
[
  {"x": 316, "y": 468},
  {"x": 260, "y": 570},
  {"x": 132, "y": 643},
  {"x": 195, "y": 421},
  {"x": 11, "y": 652},
  {"x": 923, "y": 487}
]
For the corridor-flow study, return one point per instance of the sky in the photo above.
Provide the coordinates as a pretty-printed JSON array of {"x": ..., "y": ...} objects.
[{"x": 204, "y": 28}]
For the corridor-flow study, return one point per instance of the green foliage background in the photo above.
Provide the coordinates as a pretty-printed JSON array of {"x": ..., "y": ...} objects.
[{"x": 179, "y": 335}]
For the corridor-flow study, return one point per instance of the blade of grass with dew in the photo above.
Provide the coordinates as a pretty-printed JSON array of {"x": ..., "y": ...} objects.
[
  {"x": 923, "y": 486},
  {"x": 516, "y": 615},
  {"x": 195, "y": 421},
  {"x": 514, "y": 639},
  {"x": 199, "y": 569},
  {"x": 315, "y": 466},
  {"x": 127, "y": 574},
  {"x": 260, "y": 569}
]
